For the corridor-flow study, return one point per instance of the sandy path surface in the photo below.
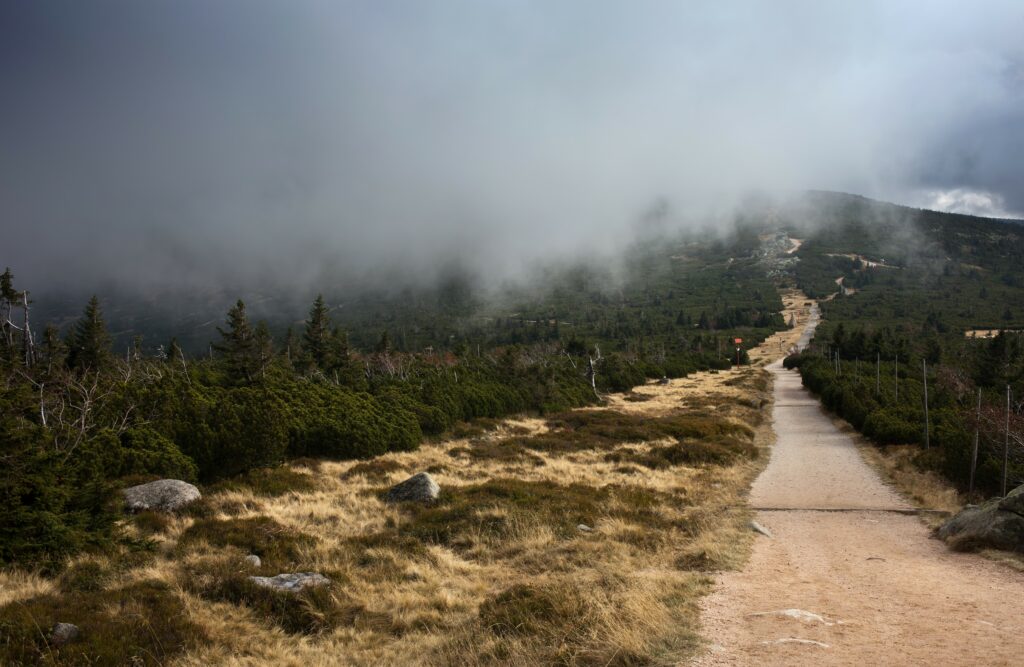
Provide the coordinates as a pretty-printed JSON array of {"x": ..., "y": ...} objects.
[{"x": 863, "y": 587}]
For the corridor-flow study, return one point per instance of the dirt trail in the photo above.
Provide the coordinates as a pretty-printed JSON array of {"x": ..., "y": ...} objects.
[{"x": 863, "y": 587}]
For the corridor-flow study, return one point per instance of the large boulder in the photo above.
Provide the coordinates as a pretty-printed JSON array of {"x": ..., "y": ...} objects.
[
  {"x": 996, "y": 524},
  {"x": 418, "y": 488},
  {"x": 166, "y": 495},
  {"x": 292, "y": 582}
]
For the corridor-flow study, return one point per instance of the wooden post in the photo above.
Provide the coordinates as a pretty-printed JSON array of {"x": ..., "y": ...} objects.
[
  {"x": 974, "y": 450},
  {"x": 1006, "y": 443},
  {"x": 927, "y": 435}
]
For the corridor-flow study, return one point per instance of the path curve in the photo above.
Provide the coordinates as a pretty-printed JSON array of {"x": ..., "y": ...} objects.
[{"x": 853, "y": 587}]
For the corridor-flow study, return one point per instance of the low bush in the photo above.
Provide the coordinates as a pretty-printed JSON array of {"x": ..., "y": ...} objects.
[
  {"x": 144, "y": 623},
  {"x": 267, "y": 482}
]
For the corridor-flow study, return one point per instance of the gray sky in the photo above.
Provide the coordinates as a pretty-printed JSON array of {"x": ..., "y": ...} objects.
[{"x": 210, "y": 140}]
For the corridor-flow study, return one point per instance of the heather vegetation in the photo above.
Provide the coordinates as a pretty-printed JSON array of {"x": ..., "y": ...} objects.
[{"x": 79, "y": 421}]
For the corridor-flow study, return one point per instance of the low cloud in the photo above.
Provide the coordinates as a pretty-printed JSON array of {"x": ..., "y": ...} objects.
[
  {"x": 969, "y": 202},
  {"x": 192, "y": 143}
]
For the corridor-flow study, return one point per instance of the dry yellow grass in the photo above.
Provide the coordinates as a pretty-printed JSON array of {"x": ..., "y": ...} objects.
[{"x": 528, "y": 593}]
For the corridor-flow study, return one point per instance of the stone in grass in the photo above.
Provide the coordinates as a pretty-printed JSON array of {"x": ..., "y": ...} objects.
[
  {"x": 63, "y": 633},
  {"x": 584, "y": 528},
  {"x": 291, "y": 582},
  {"x": 758, "y": 528},
  {"x": 253, "y": 560},
  {"x": 167, "y": 495},
  {"x": 418, "y": 488}
]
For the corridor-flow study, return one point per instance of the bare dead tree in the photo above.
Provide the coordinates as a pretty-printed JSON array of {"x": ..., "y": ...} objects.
[{"x": 28, "y": 344}]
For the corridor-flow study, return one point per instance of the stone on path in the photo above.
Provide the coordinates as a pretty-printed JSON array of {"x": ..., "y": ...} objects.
[{"x": 758, "y": 528}]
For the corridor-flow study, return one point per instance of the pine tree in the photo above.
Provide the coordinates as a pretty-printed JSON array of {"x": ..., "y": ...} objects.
[
  {"x": 316, "y": 340},
  {"x": 89, "y": 343},
  {"x": 238, "y": 345}
]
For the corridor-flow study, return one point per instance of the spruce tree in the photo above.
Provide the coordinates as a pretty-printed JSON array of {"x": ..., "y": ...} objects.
[
  {"x": 238, "y": 345},
  {"x": 89, "y": 342},
  {"x": 263, "y": 349},
  {"x": 384, "y": 344},
  {"x": 316, "y": 339}
]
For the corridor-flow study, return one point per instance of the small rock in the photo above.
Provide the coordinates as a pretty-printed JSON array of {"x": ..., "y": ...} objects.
[
  {"x": 63, "y": 633},
  {"x": 418, "y": 488},
  {"x": 797, "y": 615},
  {"x": 758, "y": 528},
  {"x": 292, "y": 582},
  {"x": 795, "y": 640},
  {"x": 167, "y": 495},
  {"x": 663, "y": 381},
  {"x": 584, "y": 527},
  {"x": 254, "y": 560}
]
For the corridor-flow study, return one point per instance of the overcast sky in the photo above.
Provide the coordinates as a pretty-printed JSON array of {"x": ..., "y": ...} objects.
[{"x": 204, "y": 140}]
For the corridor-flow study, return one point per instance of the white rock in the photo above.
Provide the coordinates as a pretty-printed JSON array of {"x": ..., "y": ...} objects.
[
  {"x": 796, "y": 614},
  {"x": 584, "y": 527},
  {"x": 795, "y": 640},
  {"x": 758, "y": 528},
  {"x": 292, "y": 582},
  {"x": 167, "y": 495},
  {"x": 254, "y": 560}
]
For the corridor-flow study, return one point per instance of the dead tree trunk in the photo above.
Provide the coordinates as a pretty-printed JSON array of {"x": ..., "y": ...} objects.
[{"x": 28, "y": 345}]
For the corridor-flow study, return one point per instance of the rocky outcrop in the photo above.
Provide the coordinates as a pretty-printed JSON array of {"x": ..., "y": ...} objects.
[
  {"x": 996, "y": 524},
  {"x": 418, "y": 488},
  {"x": 165, "y": 495},
  {"x": 292, "y": 582}
]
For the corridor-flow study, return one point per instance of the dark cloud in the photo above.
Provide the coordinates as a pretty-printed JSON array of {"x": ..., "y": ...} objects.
[{"x": 196, "y": 142}]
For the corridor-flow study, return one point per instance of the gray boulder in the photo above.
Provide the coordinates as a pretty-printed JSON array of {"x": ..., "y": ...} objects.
[
  {"x": 166, "y": 495},
  {"x": 253, "y": 560},
  {"x": 996, "y": 524},
  {"x": 292, "y": 582},
  {"x": 63, "y": 633},
  {"x": 418, "y": 488},
  {"x": 1014, "y": 501}
]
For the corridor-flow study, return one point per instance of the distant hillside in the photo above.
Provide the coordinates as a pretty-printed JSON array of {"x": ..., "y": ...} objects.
[{"x": 667, "y": 282}]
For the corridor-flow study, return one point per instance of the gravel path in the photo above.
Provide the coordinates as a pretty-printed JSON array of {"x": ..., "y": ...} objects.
[{"x": 851, "y": 588}]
